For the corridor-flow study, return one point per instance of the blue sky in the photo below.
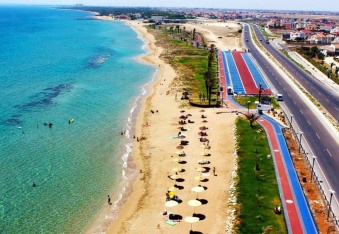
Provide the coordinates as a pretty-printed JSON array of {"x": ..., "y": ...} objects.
[{"x": 326, "y": 5}]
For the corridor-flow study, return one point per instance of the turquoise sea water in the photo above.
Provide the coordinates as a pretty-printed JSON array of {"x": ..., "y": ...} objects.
[{"x": 57, "y": 65}]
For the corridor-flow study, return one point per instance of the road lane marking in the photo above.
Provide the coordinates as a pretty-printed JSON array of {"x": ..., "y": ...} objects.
[
  {"x": 329, "y": 152},
  {"x": 317, "y": 135},
  {"x": 301, "y": 112},
  {"x": 309, "y": 123}
]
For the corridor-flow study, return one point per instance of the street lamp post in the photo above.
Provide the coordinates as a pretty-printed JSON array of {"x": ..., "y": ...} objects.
[
  {"x": 301, "y": 134},
  {"x": 291, "y": 120},
  {"x": 314, "y": 158},
  {"x": 248, "y": 107},
  {"x": 329, "y": 207}
]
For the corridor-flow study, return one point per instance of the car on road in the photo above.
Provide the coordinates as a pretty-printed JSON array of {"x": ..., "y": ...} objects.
[{"x": 279, "y": 97}]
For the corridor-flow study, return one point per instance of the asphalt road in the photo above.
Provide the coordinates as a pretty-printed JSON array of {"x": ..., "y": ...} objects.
[
  {"x": 321, "y": 143},
  {"x": 327, "y": 99}
]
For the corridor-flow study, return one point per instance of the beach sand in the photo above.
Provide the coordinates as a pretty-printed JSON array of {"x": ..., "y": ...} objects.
[{"x": 156, "y": 149}]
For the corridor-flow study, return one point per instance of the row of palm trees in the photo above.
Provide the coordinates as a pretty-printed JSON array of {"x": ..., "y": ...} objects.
[{"x": 210, "y": 76}]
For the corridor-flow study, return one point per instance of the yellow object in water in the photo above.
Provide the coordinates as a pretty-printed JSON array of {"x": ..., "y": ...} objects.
[{"x": 71, "y": 121}]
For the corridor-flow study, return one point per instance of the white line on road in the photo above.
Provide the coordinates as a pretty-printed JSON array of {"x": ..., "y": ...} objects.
[
  {"x": 327, "y": 100},
  {"x": 301, "y": 112},
  {"x": 317, "y": 135},
  {"x": 329, "y": 152},
  {"x": 308, "y": 123}
]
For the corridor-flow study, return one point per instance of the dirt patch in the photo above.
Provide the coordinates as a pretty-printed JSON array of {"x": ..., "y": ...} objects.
[{"x": 311, "y": 189}]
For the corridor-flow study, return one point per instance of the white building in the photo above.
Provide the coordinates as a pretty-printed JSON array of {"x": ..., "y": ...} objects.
[{"x": 297, "y": 34}]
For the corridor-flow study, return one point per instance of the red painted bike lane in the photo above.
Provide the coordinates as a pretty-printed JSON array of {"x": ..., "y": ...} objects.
[
  {"x": 244, "y": 73},
  {"x": 290, "y": 211},
  {"x": 222, "y": 75}
]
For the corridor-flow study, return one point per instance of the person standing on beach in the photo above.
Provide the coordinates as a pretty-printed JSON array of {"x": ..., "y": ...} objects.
[
  {"x": 109, "y": 200},
  {"x": 214, "y": 171}
]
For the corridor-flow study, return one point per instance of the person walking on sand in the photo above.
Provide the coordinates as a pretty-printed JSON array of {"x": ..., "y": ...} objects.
[
  {"x": 109, "y": 200},
  {"x": 214, "y": 171}
]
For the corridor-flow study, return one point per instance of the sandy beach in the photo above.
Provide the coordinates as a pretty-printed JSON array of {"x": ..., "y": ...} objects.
[{"x": 156, "y": 152}]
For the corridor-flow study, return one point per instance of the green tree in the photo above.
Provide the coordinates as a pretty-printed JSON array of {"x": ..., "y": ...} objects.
[
  {"x": 321, "y": 56},
  {"x": 252, "y": 117},
  {"x": 210, "y": 75},
  {"x": 177, "y": 28}
]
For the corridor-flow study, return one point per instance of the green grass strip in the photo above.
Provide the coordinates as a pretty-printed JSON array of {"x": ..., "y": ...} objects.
[{"x": 257, "y": 188}]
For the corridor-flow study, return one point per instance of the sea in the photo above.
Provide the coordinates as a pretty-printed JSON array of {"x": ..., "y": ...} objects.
[{"x": 69, "y": 87}]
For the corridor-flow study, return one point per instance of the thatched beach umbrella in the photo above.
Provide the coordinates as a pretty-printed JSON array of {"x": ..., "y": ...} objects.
[
  {"x": 200, "y": 169},
  {"x": 191, "y": 220},
  {"x": 176, "y": 169},
  {"x": 194, "y": 203},
  {"x": 177, "y": 160},
  {"x": 174, "y": 177},
  {"x": 203, "y": 161},
  {"x": 198, "y": 189},
  {"x": 172, "y": 189},
  {"x": 171, "y": 203},
  {"x": 199, "y": 178}
]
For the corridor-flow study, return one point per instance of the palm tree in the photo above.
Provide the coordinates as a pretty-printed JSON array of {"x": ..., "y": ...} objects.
[
  {"x": 252, "y": 117},
  {"x": 177, "y": 28},
  {"x": 210, "y": 75}
]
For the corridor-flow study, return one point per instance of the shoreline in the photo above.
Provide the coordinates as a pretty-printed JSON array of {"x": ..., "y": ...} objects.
[
  {"x": 123, "y": 193},
  {"x": 138, "y": 185}
]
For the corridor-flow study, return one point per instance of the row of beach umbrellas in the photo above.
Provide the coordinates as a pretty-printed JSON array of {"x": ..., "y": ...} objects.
[{"x": 198, "y": 189}]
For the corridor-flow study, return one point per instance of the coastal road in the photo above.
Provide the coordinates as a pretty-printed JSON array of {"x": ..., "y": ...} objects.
[
  {"x": 315, "y": 136},
  {"x": 329, "y": 100}
]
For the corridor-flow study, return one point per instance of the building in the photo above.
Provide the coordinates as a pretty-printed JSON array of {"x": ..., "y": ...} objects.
[
  {"x": 321, "y": 38},
  {"x": 297, "y": 34}
]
